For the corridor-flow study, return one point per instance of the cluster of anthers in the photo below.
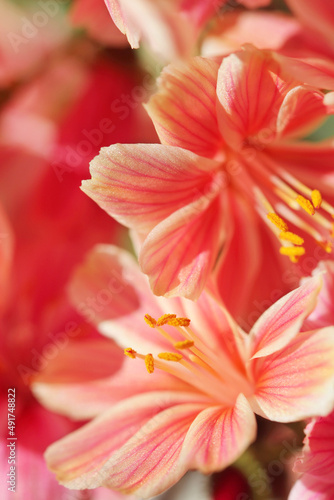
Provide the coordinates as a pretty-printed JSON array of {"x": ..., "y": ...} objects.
[
  {"x": 319, "y": 228},
  {"x": 202, "y": 367}
]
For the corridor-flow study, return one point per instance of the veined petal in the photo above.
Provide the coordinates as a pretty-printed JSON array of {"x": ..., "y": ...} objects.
[
  {"x": 218, "y": 436},
  {"x": 318, "y": 72},
  {"x": 250, "y": 92},
  {"x": 179, "y": 253},
  {"x": 297, "y": 382},
  {"x": 283, "y": 320},
  {"x": 183, "y": 109},
  {"x": 310, "y": 488},
  {"x": 72, "y": 384},
  {"x": 302, "y": 109},
  {"x": 126, "y": 447},
  {"x": 140, "y": 185},
  {"x": 318, "y": 453}
]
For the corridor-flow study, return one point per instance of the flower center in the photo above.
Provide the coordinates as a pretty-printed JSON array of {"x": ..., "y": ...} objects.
[{"x": 210, "y": 372}]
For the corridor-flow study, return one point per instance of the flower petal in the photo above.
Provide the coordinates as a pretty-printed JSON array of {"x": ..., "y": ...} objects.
[
  {"x": 297, "y": 382},
  {"x": 318, "y": 16},
  {"x": 302, "y": 109},
  {"x": 310, "y": 488},
  {"x": 283, "y": 320},
  {"x": 318, "y": 453},
  {"x": 323, "y": 314},
  {"x": 140, "y": 185},
  {"x": 130, "y": 447},
  {"x": 250, "y": 92},
  {"x": 184, "y": 108},
  {"x": 179, "y": 253},
  {"x": 218, "y": 436}
]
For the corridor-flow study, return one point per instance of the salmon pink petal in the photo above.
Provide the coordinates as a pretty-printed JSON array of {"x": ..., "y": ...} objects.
[
  {"x": 130, "y": 447},
  {"x": 218, "y": 436},
  {"x": 296, "y": 382},
  {"x": 158, "y": 23},
  {"x": 302, "y": 109},
  {"x": 109, "y": 290},
  {"x": 87, "y": 377},
  {"x": 318, "y": 453},
  {"x": 283, "y": 320},
  {"x": 310, "y": 488},
  {"x": 184, "y": 108},
  {"x": 136, "y": 184},
  {"x": 249, "y": 89},
  {"x": 180, "y": 252},
  {"x": 318, "y": 72}
]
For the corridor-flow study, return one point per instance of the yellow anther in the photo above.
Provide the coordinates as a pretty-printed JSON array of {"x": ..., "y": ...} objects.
[
  {"x": 316, "y": 198},
  {"x": 130, "y": 352},
  {"x": 150, "y": 321},
  {"x": 292, "y": 251},
  {"x": 170, "y": 356},
  {"x": 276, "y": 219},
  {"x": 184, "y": 344},
  {"x": 163, "y": 320},
  {"x": 149, "y": 363},
  {"x": 294, "y": 238},
  {"x": 305, "y": 204},
  {"x": 179, "y": 322}
]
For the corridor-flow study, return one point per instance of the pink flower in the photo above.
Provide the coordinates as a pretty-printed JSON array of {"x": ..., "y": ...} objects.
[
  {"x": 323, "y": 314},
  {"x": 194, "y": 409},
  {"x": 230, "y": 182},
  {"x": 316, "y": 462}
]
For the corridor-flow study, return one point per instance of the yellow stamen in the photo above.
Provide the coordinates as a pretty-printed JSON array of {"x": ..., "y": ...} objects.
[
  {"x": 316, "y": 198},
  {"x": 179, "y": 322},
  {"x": 130, "y": 352},
  {"x": 294, "y": 238},
  {"x": 305, "y": 204},
  {"x": 150, "y": 321},
  {"x": 170, "y": 356},
  {"x": 276, "y": 219},
  {"x": 184, "y": 344},
  {"x": 292, "y": 251},
  {"x": 149, "y": 363},
  {"x": 163, "y": 320}
]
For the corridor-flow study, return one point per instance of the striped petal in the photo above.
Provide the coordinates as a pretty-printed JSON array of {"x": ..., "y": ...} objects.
[
  {"x": 297, "y": 382},
  {"x": 184, "y": 108},
  {"x": 283, "y": 320},
  {"x": 140, "y": 185},
  {"x": 310, "y": 488},
  {"x": 218, "y": 436},
  {"x": 301, "y": 111},
  {"x": 132, "y": 447},
  {"x": 179, "y": 253},
  {"x": 250, "y": 92}
]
